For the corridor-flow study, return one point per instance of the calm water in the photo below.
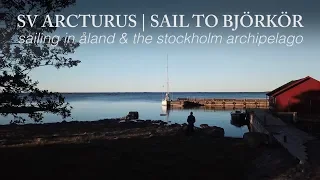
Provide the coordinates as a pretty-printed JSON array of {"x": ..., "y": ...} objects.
[{"x": 95, "y": 106}]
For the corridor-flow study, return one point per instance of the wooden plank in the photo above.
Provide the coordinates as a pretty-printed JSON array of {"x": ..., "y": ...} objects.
[
  {"x": 298, "y": 151},
  {"x": 295, "y": 138}
]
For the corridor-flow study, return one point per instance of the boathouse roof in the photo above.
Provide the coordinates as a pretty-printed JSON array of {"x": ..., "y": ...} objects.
[{"x": 287, "y": 86}]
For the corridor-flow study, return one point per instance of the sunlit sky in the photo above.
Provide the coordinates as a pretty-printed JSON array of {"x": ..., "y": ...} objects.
[{"x": 199, "y": 68}]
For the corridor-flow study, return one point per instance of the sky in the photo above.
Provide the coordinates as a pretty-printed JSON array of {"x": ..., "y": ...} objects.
[{"x": 192, "y": 67}]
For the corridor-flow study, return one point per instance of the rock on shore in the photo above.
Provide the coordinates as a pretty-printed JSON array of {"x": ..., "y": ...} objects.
[{"x": 213, "y": 131}]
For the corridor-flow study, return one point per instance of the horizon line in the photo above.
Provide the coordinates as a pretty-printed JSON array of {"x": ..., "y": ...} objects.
[{"x": 170, "y": 92}]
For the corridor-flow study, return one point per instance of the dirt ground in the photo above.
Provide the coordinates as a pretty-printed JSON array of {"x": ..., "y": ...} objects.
[{"x": 144, "y": 150}]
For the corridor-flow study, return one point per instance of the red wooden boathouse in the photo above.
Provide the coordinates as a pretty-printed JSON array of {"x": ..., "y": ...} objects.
[{"x": 302, "y": 95}]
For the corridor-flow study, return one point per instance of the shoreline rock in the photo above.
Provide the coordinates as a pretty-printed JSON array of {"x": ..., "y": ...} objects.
[
  {"x": 27, "y": 132},
  {"x": 214, "y": 131}
]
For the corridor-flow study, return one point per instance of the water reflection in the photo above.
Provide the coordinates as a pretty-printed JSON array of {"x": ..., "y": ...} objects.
[
  {"x": 87, "y": 110},
  {"x": 239, "y": 123},
  {"x": 165, "y": 112}
]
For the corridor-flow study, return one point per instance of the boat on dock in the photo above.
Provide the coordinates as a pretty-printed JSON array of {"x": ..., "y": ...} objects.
[{"x": 190, "y": 104}]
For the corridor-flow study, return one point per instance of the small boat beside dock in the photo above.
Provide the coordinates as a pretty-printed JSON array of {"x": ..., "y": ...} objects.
[
  {"x": 239, "y": 118},
  {"x": 239, "y": 115}
]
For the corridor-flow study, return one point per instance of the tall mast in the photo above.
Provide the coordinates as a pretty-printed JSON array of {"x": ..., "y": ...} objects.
[{"x": 167, "y": 74}]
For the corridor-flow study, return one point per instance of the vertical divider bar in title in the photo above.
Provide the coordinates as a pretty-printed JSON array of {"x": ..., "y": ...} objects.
[{"x": 142, "y": 22}]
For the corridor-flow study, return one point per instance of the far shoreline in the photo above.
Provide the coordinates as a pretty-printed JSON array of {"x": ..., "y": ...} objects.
[{"x": 163, "y": 92}]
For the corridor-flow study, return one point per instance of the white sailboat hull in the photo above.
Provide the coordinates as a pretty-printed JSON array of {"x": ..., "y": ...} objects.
[
  {"x": 164, "y": 110},
  {"x": 166, "y": 100},
  {"x": 164, "y": 103}
]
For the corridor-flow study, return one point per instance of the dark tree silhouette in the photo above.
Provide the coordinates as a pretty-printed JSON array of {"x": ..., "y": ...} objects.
[{"x": 18, "y": 92}]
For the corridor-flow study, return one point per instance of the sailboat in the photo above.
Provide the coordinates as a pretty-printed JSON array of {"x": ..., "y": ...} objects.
[{"x": 166, "y": 100}]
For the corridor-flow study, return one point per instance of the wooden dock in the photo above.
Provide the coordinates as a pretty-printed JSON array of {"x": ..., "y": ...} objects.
[
  {"x": 222, "y": 103},
  {"x": 287, "y": 135}
]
